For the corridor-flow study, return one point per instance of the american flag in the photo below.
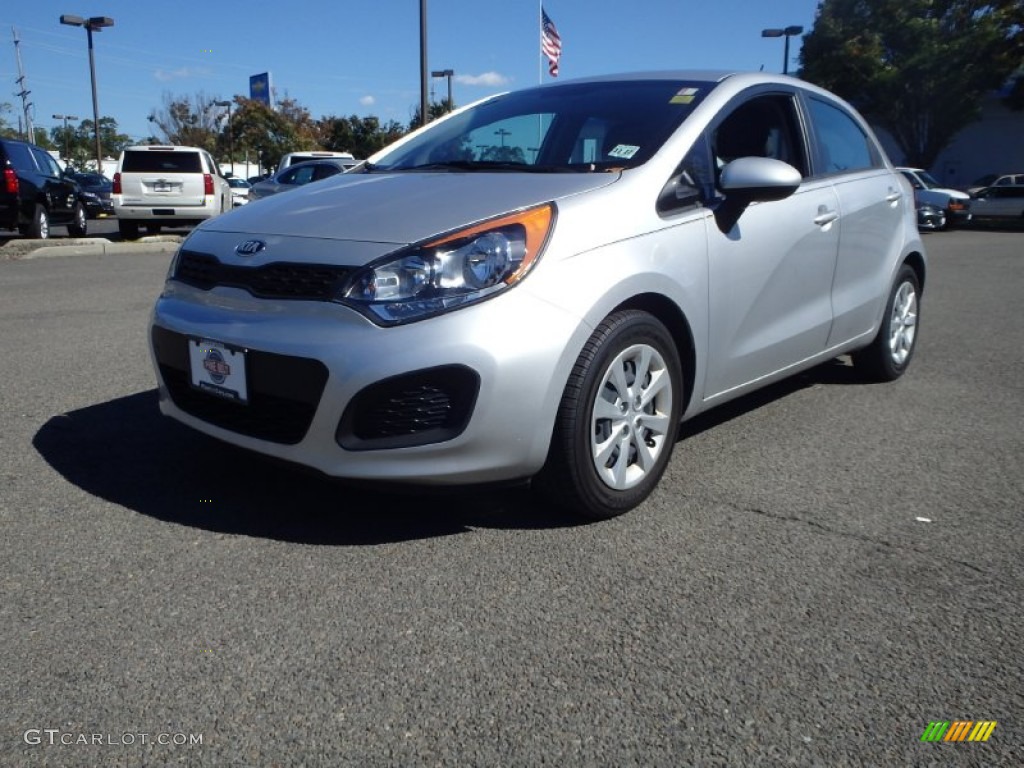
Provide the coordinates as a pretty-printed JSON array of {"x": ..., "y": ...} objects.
[{"x": 550, "y": 42}]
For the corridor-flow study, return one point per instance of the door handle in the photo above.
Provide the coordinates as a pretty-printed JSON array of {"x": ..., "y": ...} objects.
[
  {"x": 892, "y": 197},
  {"x": 825, "y": 216}
]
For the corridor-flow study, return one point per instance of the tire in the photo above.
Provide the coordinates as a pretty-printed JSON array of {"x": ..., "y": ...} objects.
[
  {"x": 589, "y": 470},
  {"x": 889, "y": 355},
  {"x": 129, "y": 229},
  {"x": 39, "y": 227},
  {"x": 79, "y": 226}
]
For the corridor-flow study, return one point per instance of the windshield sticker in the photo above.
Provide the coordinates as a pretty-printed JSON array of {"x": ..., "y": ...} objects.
[
  {"x": 685, "y": 96},
  {"x": 623, "y": 151}
]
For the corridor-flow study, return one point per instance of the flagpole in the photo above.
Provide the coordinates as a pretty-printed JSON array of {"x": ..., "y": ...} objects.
[{"x": 540, "y": 26}]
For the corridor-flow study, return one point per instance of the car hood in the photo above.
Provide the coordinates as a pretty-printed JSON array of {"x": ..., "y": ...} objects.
[
  {"x": 398, "y": 208},
  {"x": 937, "y": 193}
]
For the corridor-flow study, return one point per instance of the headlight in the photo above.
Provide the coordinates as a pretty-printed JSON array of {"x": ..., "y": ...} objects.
[{"x": 460, "y": 268}]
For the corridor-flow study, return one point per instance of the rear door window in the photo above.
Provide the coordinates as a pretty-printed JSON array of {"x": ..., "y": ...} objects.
[
  {"x": 161, "y": 161},
  {"x": 323, "y": 171},
  {"x": 47, "y": 165}
]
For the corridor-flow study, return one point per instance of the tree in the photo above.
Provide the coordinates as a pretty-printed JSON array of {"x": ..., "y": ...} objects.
[
  {"x": 191, "y": 122},
  {"x": 362, "y": 136},
  {"x": 435, "y": 110},
  {"x": 81, "y": 141},
  {"x": 267, "y": 133},
  {"x": 920, "y": 69}
]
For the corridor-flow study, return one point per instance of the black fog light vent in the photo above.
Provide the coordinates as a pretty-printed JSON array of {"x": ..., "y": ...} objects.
[{"x": 418, "y": 408}]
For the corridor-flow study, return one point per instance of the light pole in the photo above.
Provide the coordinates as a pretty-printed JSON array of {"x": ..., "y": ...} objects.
[
  {"x": 446, "y": 73},
  {"x": 231, "y": 140},
  {"x": 787, "y": 33},
  {"x": 424, "y": 118},
  {"x": 93, "y": 23},
  {"x": 65, "y": 118}
]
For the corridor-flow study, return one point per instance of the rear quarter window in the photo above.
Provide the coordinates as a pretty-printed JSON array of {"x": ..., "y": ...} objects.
[
  {"x": 21, "y": 157},
  {"x": 161, "y": 162},
  {"x": 842, "y": 145}
]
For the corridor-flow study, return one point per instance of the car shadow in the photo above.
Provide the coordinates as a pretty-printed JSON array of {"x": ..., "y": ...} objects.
[
  {"x": 838, "y": 371},
  {"x": 126, "y": 452}
]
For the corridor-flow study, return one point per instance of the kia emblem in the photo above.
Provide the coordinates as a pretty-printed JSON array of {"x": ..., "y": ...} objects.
[{"x": 250, "y": 247}]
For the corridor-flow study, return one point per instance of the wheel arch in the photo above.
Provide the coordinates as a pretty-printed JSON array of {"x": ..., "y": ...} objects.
[
  {"x": 673, "y": 318},
  {"x": 915, "y": 260}
]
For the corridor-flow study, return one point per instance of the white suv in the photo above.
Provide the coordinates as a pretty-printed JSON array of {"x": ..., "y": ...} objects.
[
  {"x": 346, "y": 158},
  {"x": 156, "y": 185},
  {"x": 927, "y": 191}
]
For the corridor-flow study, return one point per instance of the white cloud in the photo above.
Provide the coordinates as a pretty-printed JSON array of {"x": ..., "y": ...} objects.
[
  {"x": 367, "y": 101},
  {"x": 165, "y": 76},
  {"x": 488, "y": 79}
]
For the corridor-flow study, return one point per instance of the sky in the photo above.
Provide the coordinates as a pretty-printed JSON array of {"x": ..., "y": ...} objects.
[{"x": 339, "y": 57}]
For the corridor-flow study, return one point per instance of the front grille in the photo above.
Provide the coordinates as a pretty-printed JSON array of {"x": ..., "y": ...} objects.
[
  {"x": 427, "y": 406},
  {"x": 284, "y": 391},
  {"x": 278, "y": 280}
]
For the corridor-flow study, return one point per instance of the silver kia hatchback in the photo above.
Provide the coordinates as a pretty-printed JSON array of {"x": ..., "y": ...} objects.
[{"x": 544, "y": 284}]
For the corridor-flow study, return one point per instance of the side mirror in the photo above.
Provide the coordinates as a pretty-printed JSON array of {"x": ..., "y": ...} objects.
[{"x": 749, "y": 180}]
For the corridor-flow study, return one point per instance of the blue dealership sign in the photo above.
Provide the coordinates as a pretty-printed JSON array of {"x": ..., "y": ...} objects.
[{"x": 259, "y": 89}]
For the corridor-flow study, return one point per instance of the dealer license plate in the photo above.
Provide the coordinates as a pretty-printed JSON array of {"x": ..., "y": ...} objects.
[{"x": 218, "y": 369}]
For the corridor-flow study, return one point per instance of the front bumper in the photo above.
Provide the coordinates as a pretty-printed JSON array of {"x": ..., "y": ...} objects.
[{"x": 466, "y": 397}]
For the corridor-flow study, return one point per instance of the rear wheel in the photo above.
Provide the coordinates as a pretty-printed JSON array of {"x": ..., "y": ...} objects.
[
  {"x": 616, "y": 425},
  {"x": 78, "y": 226},
  {"x": 39, "y": 227},
  {"x": 129, "y": 229},
  {"x": 888, "y": 356}
]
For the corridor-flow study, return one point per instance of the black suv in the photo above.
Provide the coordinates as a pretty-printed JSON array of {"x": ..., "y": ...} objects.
[{"x": 35, "y": 192}]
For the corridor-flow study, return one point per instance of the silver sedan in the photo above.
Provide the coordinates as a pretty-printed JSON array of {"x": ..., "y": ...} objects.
[
  {"x": 542, "y": 285},
  {"x": 298, "y": 175}
]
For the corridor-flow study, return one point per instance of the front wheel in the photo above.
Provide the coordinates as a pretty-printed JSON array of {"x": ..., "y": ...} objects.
[
  {"x": 616, "y": 425},
  {"x": 888, "y": 356}
]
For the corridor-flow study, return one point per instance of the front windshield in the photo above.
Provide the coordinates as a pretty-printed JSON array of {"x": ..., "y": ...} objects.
[
  {"x": 928, "y": 179},
  {"x": 575, "y": 127}
]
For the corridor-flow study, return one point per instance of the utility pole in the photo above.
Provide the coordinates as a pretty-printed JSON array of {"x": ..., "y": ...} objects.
[{"x": 24, "y": 92}]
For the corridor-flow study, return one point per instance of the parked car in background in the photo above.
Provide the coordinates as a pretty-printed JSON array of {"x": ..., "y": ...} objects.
[
  {"x": 952, "y": 202},
  {"x": 295, "y": 176},
  {"x": 239, "y": 191},
  {"x": 36, "y": 193},
  {"x": 96, "y": 191},
  {"x": 543, "y": 285},
  {"x": 173, "y": 185},
  {"x": 294, "y": 158},
  {"x": 995, "y": 180},
  {"x": 930, "y": 218},
  {"x": 1002, "y": 203}
]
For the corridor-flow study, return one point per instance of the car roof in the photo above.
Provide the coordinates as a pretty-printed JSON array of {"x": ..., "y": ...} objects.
[
  {"x": 162, "y": 148},
  {"x": 338, "y": 162}
]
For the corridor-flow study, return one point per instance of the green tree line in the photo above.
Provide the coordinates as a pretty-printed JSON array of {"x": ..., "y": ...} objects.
[{"x": 253, "y": 130}]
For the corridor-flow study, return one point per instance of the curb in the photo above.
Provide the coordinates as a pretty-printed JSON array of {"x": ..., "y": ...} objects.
[{"x": 93, "y": 246}]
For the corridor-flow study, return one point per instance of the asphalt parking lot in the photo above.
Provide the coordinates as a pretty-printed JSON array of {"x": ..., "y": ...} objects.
[{"x": 826, "y": 568}]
